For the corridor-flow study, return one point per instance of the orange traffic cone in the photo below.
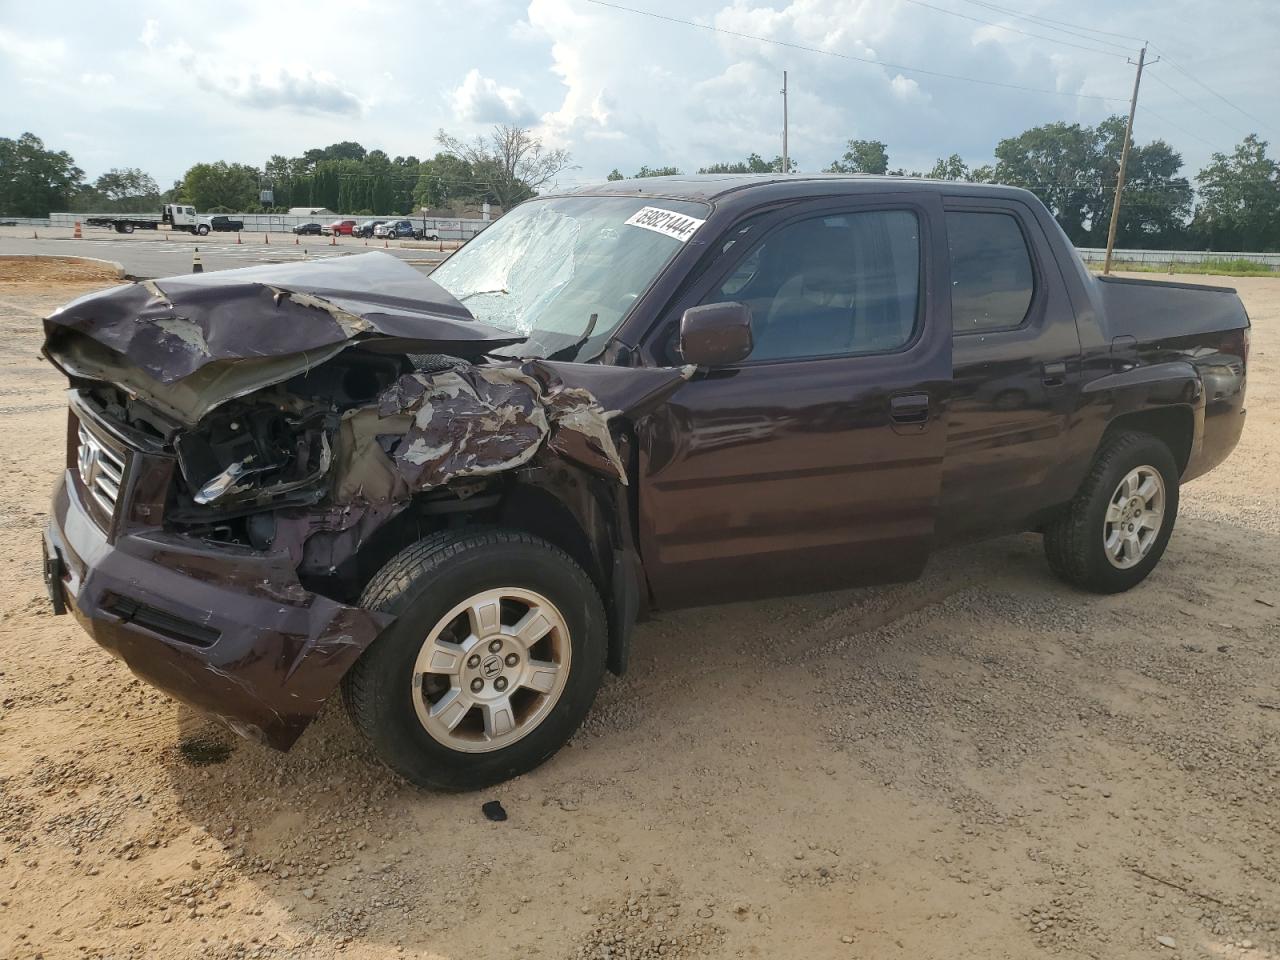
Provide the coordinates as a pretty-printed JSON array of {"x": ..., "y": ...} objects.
[
  {"x": 77, "y": 235},
  {"x": 237, "y": 237},
  {"x": 34, "y": 235},
  {"x": 295, "y": 240},
  {"x": 196, "y": 265},
  {"x": 333, "y": 240},
  {"x": 385, "y": 245},
  {"x": 266, "y": 239}
]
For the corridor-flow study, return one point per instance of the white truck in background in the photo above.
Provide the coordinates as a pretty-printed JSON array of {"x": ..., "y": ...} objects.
[{"x": 173, "y": 216}]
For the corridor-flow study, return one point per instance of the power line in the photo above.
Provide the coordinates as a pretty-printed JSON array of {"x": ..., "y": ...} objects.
[
  {"x": 1168, "y": 122},
  {"x": 1201, "y": 83},
  {"x": 1001, "y": 26},
  {"x": 1205, "y": 110},
  {"x": 1060, "y": 25},
  {"x": 848, "y": 56}
]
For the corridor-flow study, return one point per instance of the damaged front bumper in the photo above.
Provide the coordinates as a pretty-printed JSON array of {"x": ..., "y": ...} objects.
[{"x": 225, "y": 629}]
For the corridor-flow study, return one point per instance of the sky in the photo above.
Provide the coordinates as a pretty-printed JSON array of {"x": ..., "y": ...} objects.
[{"x": 163, "y": 85}]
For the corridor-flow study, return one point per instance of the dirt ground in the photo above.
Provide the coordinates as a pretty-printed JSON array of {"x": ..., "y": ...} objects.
[
  {"x": 25, "y": 271},
  {"x": 982, "y": 764}
]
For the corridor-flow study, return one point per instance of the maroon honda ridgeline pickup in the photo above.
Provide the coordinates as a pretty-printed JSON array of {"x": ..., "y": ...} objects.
[{"x": 455, "y": 496}]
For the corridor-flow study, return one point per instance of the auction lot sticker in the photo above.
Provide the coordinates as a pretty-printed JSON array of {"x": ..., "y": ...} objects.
[{"x": 666, "y": 222}]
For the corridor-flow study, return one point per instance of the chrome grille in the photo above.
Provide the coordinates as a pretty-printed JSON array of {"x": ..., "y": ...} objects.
[{"x": 101, "y": 470}]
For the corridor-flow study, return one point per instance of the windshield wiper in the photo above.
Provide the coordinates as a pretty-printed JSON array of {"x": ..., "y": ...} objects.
[
  {"x": 571, "y": 351},
  {"x": 477, "y": 293}
]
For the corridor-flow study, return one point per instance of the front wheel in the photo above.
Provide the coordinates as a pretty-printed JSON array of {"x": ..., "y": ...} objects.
[
  {"x": 202, "y": 230},
  {"x": 1116, "y": 529},
  {"x": 493, "y": 662}
]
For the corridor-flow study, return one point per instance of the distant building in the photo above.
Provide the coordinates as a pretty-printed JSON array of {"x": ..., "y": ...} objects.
[{"x": 311, "y": 212}]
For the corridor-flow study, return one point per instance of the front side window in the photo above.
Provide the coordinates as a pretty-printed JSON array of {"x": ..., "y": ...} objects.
[
  {"x": 543, "y": 269},
  {"x": 831, "y": 286},
  {"x": 992, "y": 281}
]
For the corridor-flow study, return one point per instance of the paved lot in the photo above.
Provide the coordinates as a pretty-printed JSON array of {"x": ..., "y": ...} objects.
[
  {"x": 984, "y": 764},
  {"x": 147, "y": 254}
]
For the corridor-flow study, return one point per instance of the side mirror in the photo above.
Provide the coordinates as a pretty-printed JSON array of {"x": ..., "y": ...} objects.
[{"x": 716, "y": 334}]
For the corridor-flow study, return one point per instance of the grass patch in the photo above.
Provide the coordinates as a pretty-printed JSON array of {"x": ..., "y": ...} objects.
[{"x": 1222, "y": 268}]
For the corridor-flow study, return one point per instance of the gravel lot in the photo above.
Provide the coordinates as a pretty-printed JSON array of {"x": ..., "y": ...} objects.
[{"x": 981, "y": 764}]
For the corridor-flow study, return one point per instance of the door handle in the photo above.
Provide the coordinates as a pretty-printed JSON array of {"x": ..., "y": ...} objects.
[
  {"x": 1053, "y": 374},
  {"x": 910, "y": 408}
]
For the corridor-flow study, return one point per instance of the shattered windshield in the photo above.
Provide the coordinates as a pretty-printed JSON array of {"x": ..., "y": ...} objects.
[{"x": 548, "y": 265}]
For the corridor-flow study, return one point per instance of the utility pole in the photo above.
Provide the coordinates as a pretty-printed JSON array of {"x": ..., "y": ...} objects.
[
  {"x": 786, "y": 160},
  {"x": 1124, "y": 160}
]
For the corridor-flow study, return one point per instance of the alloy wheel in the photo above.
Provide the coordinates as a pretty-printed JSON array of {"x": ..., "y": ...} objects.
[
  {"x": 491, "y": 669},
  {"x": 1134, "y": 516}
]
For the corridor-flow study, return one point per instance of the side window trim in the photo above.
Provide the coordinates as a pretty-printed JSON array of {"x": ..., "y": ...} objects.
[
  {"x": 724, "y": 271},
  {"x": 1019, "y": 214}
]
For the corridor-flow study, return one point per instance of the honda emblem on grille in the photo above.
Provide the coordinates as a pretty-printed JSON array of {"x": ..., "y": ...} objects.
[{"x": 88, "y": 460}]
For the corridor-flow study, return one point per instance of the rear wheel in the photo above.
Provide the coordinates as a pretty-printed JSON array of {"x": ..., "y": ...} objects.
[
  {"x": 128, "y": 228},
  {"x": 492, "y": 664},
  {"x": 1116, "y": 529}
]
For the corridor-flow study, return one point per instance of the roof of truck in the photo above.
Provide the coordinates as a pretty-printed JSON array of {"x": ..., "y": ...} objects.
[{"x": 713, "y": 186}]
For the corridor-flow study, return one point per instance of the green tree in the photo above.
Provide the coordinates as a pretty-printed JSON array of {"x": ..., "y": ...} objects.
[
  {"x": 444, "y": 180},
  {"x": 753, "y": 164},
  {"x": 1240, "y": 199},
  {"x": 221, "y": 186},
  {"x": 279, "y": 176},
  {"x": 511, "y": 163},
  {"x": 647, "y": 171},
  {"x": 34, "y": 181},
  {"x": 1058, "y": 163},
  {"x": 124, "y": 184},
  {"x": 951, "y": 168},
  {"x": 1073, "y": 169},
  {"x": 862, "y": 156},
  {"x": 404, "y": 179},
  {"x": 346, "y": 150},
  {"x": 1156, "y": 203}
]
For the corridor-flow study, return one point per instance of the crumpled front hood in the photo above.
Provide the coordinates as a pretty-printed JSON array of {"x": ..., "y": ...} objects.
[
  {"x": 190, "y": 342},
  {"x": 172, "y": 327}
]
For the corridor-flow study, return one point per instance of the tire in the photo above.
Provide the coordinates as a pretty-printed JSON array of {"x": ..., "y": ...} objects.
[
  {"x": 426, "y": 585},
  {"x": 128, "y": 228},
  {"x": 1076, "y": 543},
  {"x": 202, "y": 230}
]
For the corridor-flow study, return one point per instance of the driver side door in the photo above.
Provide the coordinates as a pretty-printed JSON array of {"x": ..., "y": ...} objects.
[{"x": 814, "y": 463}]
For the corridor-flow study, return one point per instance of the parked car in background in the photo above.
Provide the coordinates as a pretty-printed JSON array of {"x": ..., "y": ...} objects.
[
  {"x": 367, "y": 228},
  {"x": 400, "y": 229},
  {"x": 382, "y": 229},
  {"x": 218, "y": 224},
  {"x": 308, "y": 229},
  {"x": 340, "y": 228}
]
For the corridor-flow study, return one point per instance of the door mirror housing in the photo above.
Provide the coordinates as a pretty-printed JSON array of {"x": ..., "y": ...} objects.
[{"x": 716, "y": 334}]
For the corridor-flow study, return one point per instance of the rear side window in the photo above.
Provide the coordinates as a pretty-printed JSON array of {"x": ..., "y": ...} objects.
[
  {"x": 831, "y": 286},
  {"x": 992, "y": 281}
]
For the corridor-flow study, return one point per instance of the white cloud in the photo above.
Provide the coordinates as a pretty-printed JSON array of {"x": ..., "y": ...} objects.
[
  {"x": 150, "y": 37},
  {"x": 32, "y": 53},
  {"x": 904, "y": 88},
  {"x": 295, "y": 88},
  {"x": 615, "y": 88},
  {"x": 482, "y": 100}
]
